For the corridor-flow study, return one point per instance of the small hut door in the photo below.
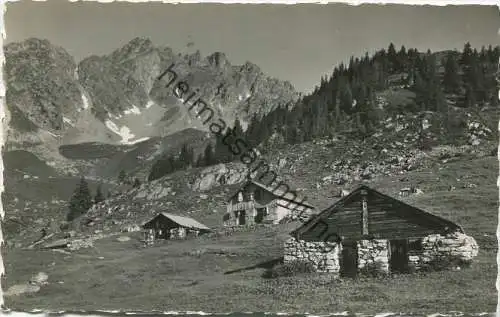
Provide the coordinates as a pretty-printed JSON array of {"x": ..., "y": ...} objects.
[
  {"x": 349, "y": 259},
  {"x": 261, "y": 213},
  {"x": 399, "y": 256},
  {"x": 241, "y": 217}
]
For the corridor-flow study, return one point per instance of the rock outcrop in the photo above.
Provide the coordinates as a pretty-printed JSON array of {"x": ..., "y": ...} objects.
[{"x": 221, "y": 174}]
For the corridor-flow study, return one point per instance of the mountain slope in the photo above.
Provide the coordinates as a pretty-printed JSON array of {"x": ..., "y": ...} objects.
[{"x": 117, "y": 98}]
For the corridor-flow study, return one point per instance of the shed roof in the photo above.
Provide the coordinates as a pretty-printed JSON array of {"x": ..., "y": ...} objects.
[
  {"x": 278, "y": 192},
  {"x": 181, "y": 221},
  {"x": 310, "y": 224}
]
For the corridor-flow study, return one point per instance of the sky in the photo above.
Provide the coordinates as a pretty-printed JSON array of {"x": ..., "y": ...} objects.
[{"x": 298, "y": 43}]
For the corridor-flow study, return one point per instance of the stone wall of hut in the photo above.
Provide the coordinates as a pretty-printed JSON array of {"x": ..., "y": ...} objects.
[
  {"x": 454, "y": 249},
  {"x": 373, "y": 255},
  {"x": 178, "y": 233},
  {"x": 324, "y": 256}
]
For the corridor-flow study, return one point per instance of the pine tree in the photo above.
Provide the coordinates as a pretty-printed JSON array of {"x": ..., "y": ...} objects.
[
  {"x": 346, "y": 98},
  {"x": 208, "y": 157},
  {"x": 162, "y": 167},
  {"x": 185, "y": 157},
  {"x": 137, "y": 183},
  {"x": 122, "y": 176},
  {"x": 237, "y": 130},
  {"x": 80, "y": 201},
  {"x": 467, "y": 54},
  {"x": 222, "y": 151},
  {"x": 199, "y": 161},
  {"x": 451, "y": 79},
  {"x": 98, "y": 195},
  {"x": 263, "y": 134},
  {"x": 251, "y": 134},
  {"x": 421, "y": 98},
  {"x": 392, "y": 58},
  {"x": 470, "y": 98},
  {"x": 403, "y": 59}
]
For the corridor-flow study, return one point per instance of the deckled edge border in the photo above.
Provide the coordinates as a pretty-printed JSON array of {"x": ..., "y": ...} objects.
[
  {"x": 3, "y": 130},
  {"x": 4, "y": 118}
]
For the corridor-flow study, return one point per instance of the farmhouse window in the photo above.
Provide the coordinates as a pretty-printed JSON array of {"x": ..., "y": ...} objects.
[{"x": 415, "y": 244}]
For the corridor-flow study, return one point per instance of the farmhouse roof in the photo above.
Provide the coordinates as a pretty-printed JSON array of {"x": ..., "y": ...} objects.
[
  {"x": 278, "y": 192},
  {"x": 310, "y": 224},
  {"x": 182, "y": 221}
]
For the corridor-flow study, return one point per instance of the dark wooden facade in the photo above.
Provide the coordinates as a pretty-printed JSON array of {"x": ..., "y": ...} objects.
[
  {"x": 251, "y": 190},
  {"x": 168, "y": 226},
  {"x": 383, "y": 218}
]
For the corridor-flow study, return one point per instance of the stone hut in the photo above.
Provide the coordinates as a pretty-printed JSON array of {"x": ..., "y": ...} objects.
[
  {"x": 255, "y": 203},
  {"x": 370, "y": 231},
  {"x": 170, "y": 226}
]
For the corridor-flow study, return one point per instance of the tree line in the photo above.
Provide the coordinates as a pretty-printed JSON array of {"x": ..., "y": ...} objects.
[
  {"x": 82, "y": 199},
  {"x": 347, "y": 102}
]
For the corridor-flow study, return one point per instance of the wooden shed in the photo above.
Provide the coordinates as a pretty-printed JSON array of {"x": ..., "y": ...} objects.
[
  {"x": 368, "y": 219},
  {"x": 170, "y": 226}
]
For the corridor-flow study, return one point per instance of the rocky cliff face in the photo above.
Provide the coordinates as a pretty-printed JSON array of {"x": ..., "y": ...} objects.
[
  {"x": 42, "y": 88},
  {"x": 46, "y": 89},
  {"x": 118, "y": 98},
  {"x": 43, "y": 95}
]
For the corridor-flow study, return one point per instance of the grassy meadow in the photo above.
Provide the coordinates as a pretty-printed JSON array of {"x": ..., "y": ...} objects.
[{"x": 224, "y": 273}]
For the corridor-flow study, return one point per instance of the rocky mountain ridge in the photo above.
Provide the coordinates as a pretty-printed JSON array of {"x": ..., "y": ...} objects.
[
  {"x": 320, "y": 168},
  {"x": 117, "y": 98}
]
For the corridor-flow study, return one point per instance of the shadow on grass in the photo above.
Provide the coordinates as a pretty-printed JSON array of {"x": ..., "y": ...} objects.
[{"x": 263, "y": 265}]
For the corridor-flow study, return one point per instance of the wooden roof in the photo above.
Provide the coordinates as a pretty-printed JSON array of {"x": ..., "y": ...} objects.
[
  {"x": 279, "y": 193},
  {"x": 431, "y": 218},
  {"x": 181, "y": 221}
]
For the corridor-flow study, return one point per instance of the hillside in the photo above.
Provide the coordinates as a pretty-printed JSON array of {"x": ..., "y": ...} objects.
[
  {"x": 391, "y": 121},
  {"x": 204, "y": 274},
  {"x": 404, "y": 138},
  {"x": 318, "y": 169}
]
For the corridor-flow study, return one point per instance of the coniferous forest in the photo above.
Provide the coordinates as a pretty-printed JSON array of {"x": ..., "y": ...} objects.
[{"x": 347, "y": 103}]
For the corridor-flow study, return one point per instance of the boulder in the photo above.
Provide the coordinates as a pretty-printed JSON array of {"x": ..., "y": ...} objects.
[
  {"x": 19, "y": 289},
  {"x": 40, "y": 278},
  {"x": 123, "y": 239},
  {"x": 221, "y": 174}
]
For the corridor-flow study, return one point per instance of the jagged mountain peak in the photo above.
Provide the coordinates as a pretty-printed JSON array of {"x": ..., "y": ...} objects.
[
  {"x": 31, "y": 43},
  {"x": 136, "y": 46},
  {"x": 218, "y": 60},
  {"x": 250, "y": 67},
  {"x": 117, "y": 98},
  {"x": 41, "y": 82}
]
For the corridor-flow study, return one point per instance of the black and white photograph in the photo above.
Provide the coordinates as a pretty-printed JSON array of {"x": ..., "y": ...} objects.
[{"x": 260, "y": 159}]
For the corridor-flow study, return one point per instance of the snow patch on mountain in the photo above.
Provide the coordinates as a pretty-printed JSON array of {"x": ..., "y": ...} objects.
[
  {"x": 133, "y": 110},
  {"x": 123, "y": 132},
  {"x": 137, "y": 140},
  {"x": 127, "y": 137}
]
